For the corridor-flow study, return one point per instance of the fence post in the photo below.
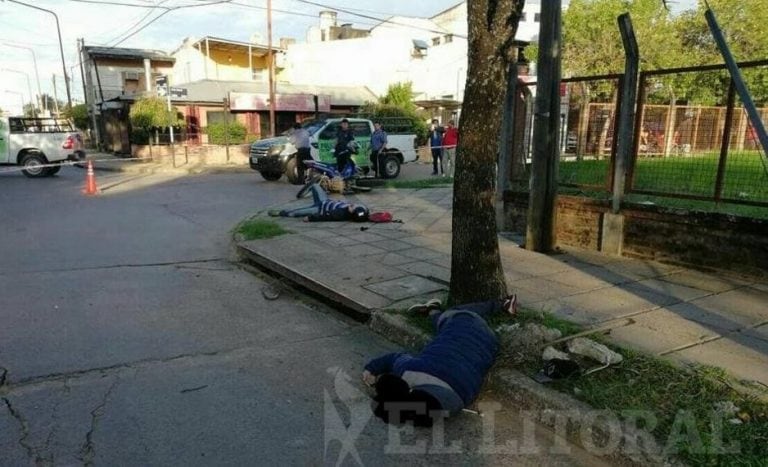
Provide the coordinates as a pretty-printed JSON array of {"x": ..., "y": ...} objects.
[
  {"x": 726, "y": 141},
  {"x": 612, "y": 239},
  {"x": 627, "y": 111},
  {"x": 506, "y": 145}
]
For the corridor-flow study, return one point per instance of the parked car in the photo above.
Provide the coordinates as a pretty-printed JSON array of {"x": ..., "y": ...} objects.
[
  {"x": 34, "y": 143},
  {"x": 274, "y": 157}
]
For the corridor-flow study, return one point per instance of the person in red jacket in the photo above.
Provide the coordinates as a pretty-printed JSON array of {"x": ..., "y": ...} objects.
[{"x": 450, "y": 140}]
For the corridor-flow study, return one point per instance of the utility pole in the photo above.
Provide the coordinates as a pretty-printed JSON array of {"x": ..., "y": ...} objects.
[
  {"x": 55, "y": 97},
  {"x": 41, "y": 100},
  {"x": 541, "y": 234},
  {"x": 271, "y": 71},
  {"x": 61, "y": 47}
]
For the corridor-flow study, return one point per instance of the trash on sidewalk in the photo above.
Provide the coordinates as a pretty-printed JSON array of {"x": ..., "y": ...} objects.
[
  {"x": 557, "y": 368},
  {"x": 591, "y": 349},
  {"x": 551, "y": 353},
  {"x": 270, "y": 292}
]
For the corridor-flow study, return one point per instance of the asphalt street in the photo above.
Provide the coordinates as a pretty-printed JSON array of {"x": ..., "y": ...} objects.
[{"x": 128, "y": 337}]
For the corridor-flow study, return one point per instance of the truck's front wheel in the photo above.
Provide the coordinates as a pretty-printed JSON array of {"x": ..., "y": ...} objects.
[
  {"x": 33, "y": 165},
  {"x": 292, "y": 171},
  {"x": 271, "y": 176}
]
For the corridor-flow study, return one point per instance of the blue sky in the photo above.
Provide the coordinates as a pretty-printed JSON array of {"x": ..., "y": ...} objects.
[{"x": 106, "y": 24}]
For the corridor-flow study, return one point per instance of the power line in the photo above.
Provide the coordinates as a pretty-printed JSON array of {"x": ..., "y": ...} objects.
[
  {"x": 381, "y": 20},
  {"x": 167, "y": 10},
  {"x": 136, "y": 23}
]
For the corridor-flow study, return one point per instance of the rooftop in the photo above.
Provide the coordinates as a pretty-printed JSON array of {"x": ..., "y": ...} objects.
[{"x": 126, "y": 53}]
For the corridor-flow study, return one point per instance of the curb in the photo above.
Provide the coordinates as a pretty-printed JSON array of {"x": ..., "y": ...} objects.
[
  {"x": 547, "y": 403},
  {"x": 346, "y": 305}
]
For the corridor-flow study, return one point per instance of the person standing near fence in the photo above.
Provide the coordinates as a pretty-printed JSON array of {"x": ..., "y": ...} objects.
[
  {"x": 378, "y": 146},
  {"x": 436, "y": 143},
  {"x": 300, "y": 139},
  {"x": 450, "y": 141}
]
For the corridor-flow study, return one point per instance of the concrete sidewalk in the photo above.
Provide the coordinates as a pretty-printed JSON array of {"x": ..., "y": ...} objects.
[
  {"x": 685, "y": 315},
  {"x": 110, "y": 163}
]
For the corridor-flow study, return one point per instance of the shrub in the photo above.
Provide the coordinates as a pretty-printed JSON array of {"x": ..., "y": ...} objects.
[
  {"x": 140, "y": 136},
  {"x": 79, "y": 116},
  {"x": 217, "y": 133}
]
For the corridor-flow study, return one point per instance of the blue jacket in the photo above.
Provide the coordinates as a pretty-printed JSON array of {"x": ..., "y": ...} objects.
[{"x": 461, "y": 354}]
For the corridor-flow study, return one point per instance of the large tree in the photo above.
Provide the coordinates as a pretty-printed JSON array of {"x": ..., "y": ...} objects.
[
  {"x": 592, "y": 44},
  {"x": 743, "y": 24},
  {"x": 476, "y": 272}
]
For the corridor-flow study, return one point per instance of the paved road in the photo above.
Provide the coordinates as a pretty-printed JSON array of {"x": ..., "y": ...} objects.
[{"x": 130, "y": 339}]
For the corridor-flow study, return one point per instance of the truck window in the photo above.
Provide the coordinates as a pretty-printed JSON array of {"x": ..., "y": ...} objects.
[
  {"x": 15, "y": 125},
  {"x": 330, "y": 131},
  {"x": 361, "y": 128}
]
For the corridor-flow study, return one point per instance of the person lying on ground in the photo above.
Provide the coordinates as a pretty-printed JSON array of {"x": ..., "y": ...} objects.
[
  {"x": 326, "y": 209},
  {"x": 447, "y": 375}
]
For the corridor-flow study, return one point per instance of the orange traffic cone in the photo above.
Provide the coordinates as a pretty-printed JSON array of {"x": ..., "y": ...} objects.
[{"x": 90, "y": 181}]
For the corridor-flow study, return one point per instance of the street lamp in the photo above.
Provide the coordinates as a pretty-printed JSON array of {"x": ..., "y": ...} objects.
[
  {"x": 42, "y": 102},
  {"x": 29, "y": 84},
  {"x": 61, "y": 45},
  {"x": 21, "y": 95}
]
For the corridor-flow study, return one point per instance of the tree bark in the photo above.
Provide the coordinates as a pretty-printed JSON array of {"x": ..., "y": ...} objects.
[{"x": 476, "y": 272}]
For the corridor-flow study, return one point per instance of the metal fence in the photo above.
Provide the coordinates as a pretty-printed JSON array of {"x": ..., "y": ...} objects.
[
  {"x": 588, "y": 110},
  {"x": 700, "y": 152},
  {"x": 692, "y": 137}
]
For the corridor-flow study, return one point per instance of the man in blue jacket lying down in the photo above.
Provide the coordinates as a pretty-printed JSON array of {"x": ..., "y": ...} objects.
[
  {"x": 447, "y": 375},
  {"x": 325, "y": 209}
]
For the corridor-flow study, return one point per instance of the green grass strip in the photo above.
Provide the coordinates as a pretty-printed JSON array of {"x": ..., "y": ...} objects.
[
  {"x": 257, "y": 229},
  {"x": 434, "y": 182}
]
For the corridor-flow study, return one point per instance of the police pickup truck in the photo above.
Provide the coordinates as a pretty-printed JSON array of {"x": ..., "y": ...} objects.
[
  {"x": 274, "y": 157},
  {"x": 38, "y": 145}
]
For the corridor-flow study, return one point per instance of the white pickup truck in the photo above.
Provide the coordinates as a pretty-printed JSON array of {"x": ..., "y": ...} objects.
[
  {"x": 35, "y": 143},
  {"x": 274, "y": 157}
]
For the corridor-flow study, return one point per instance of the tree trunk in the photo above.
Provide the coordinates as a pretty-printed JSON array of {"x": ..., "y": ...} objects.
[{"x": 476, "y": 272}]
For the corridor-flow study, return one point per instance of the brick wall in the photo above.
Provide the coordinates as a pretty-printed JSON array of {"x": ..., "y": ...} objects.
[
  {"x": 690, "y": 238},
  {"x": 196, "y": 154}
]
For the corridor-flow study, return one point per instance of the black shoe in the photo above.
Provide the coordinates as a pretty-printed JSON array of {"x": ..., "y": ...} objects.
[{"x": 509, "y": 305}]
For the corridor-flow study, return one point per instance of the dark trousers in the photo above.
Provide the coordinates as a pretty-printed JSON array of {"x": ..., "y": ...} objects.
[
  {"x": 342, "y": 159},
  {"x": 437, "y": 157},
  {"x": 482, "y": 309},
  {"x": 302, "y": 154},
  {"x": 376, "y": 161}
]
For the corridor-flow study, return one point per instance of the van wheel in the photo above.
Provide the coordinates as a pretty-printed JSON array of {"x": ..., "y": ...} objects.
[
  {"x": 390, "y": 166},
  {"x": 32, "y": 164}
]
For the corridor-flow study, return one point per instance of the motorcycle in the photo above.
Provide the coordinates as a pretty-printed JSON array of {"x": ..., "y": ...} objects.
[{"x": 330, "y": 179}]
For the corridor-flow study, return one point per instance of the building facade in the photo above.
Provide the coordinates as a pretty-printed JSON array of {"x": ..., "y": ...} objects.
[{"x": 112, "y": 77}]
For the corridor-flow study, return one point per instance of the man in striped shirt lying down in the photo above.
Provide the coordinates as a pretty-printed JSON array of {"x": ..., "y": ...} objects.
[{"x": 326, "y": 209}]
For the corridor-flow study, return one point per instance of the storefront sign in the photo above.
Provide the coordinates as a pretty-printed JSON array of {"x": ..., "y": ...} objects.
[{"x": 247, "y": 101}]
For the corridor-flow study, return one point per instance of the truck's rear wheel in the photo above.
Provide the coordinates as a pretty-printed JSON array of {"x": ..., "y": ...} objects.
[
  {"x": 32, "y": 164},
  {"x": 390, "y": 166},
  {"x": 53, "y": 170}
]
